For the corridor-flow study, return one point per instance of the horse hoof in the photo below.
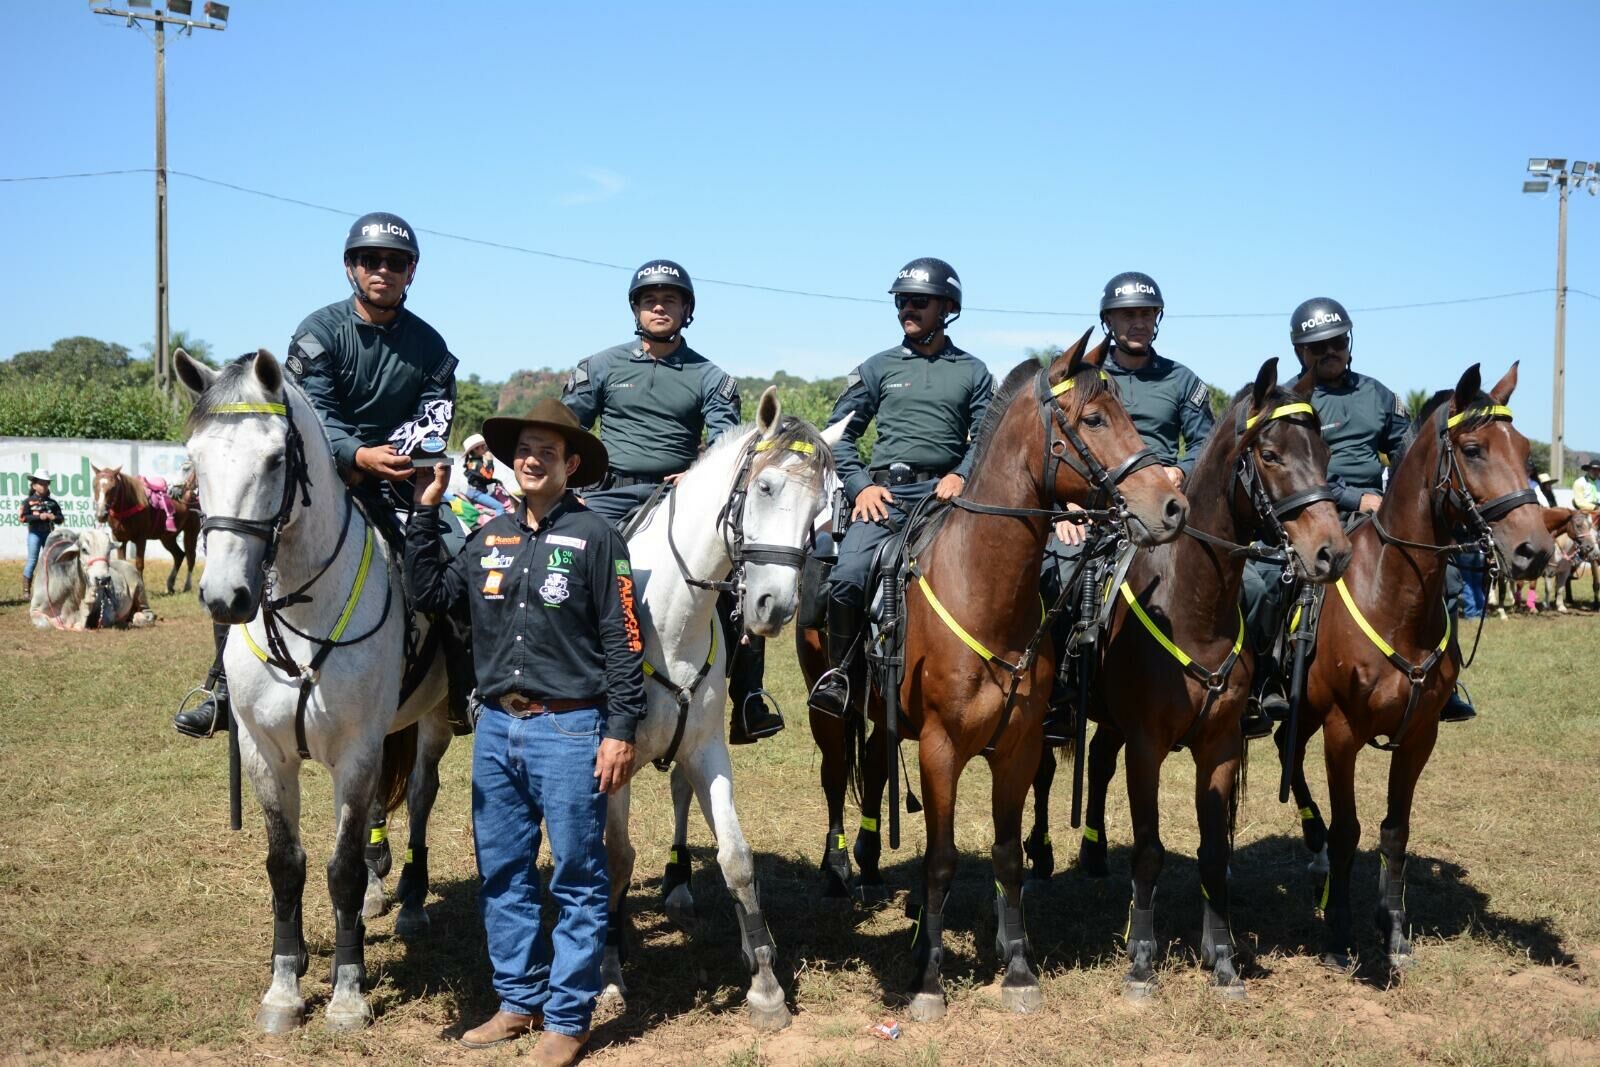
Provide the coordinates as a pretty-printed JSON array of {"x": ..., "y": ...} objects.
[
  {"x": 926, "y": 1008},
  {"x": 412, "y": 923},
  {"x": 375, "y": 903},
  {"x": 1022, "y": 999},
  {"x": 1233, "y": 990},
  {"x": 1319, "y": 862},
  {"x": 278, "y": 1019},
  {"x": 614, "y": 996},
  {"x": 1138, "y": 991},
  {"x": 873, "y": 894},
  {"x": 1338, "y": 961},
  {"x": 1401, "y": 962},
  {"x": 680, "y": 909},
  {"x": 349, "y": 1021},
  {"x": 769, "y": 1018}
]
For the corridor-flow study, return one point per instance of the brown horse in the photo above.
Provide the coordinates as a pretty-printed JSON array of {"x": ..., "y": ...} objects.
[
  {"x": 1574, "y": 533},
  {"x": 976, "y": 673},
  {"x": 1262, "y": 476},
  {"x": 1465, "y": 469},
  {"x": 122, "y": 502}
]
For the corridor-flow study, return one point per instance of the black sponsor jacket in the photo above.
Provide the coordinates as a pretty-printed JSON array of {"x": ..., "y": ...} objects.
[
  {"x": 553, "y": 612},
  {"x": 41, "y": 513}
]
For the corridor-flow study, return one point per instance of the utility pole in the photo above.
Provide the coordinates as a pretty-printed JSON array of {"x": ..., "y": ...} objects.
[
  {"x": 1545, "y": 171},
  {"x": 176, "y": 13}
]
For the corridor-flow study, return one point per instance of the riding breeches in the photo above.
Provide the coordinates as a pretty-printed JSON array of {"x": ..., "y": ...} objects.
[{"x": 847, "y": 584}]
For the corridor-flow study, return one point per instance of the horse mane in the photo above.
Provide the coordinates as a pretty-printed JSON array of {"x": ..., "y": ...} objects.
[
  {"x": 1279, "y": 394},
  {"x": 1090, "y": 385},
  {"x": 1480, "y": 401}
]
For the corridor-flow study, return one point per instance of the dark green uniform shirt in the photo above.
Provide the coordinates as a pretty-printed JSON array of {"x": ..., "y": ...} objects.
[
  {"x": 652, "y": 411},
  {"x": 1360, "y": 419},
  {"x": 1166, "y": 399},
  {"x": 928, "y": 409},
  {"x": 364, "y": 379}
]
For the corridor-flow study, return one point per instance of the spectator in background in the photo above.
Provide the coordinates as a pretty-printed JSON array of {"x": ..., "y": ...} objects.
[
  {"x": 41, "y": 512},
  {"x": 1585, "y": 493},
  {"x": 478, "y": 466}
]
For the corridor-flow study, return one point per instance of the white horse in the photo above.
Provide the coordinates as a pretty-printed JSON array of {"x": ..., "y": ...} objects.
[
  {"x": 80, "y": 586},
  {"x": 744, "y": 509},
  {"x": 315, "y": 656}
]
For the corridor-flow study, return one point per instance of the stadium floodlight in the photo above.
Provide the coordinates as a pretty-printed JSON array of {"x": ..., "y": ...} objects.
[
  {"x": 216, "y": 12},
  {"x": 180, "y": 7},
  {"x": 1538, "y": 166},
  {"x": 1536, "y": 187},
  {"x": 1578, "y": 167},
  {"x": 1557, "y": 165},
  {"x": 138, "y": 3}
]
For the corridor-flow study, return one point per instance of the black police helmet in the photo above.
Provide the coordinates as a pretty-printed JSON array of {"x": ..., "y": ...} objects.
[
  {"x": 932, "y": 276},
  {"x": 662, "y": 272},
  {"x": 1131, "y": 289},
  {"x": 380, "y": 229},
  {"x": 1318, "y": 319}
]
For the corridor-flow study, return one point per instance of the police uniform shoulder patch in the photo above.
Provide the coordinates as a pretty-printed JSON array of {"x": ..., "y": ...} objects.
[
  {"x": 728, "y": 387},
  {"x": 304, "y": 351},
  {"x": 578, "y": 377},
  {"x": 445, "y": 372},
  {"x": 1400, "y": 406},
  {"x": 853, "y": 379},
  {"x": 1200, "y": 395}
]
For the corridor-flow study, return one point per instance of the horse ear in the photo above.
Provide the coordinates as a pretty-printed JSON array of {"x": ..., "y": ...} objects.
[
  {"x": 1467, "y": 390},
  {"x": 268, "y": 372},
  {"x": 768, "y": 411},
  {"x": 1096, "y": 356},
  {"x": 1505, "y": 386},
  {"x": 1074, "y": 354},
  {"x": 835, "y": 433},
  {"x": 1266, "y": 381},
  {"x": 1555, "y": 518},
  {"x": 195, "y": 376},
  {"x": 1304, "y": 385}
]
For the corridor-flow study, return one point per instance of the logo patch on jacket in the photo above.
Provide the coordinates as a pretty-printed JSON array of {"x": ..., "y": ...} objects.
[
  {"x": 555, "y": 589},
  {"x": 491, "y": 585},
  {"x": 630, "y": 615},
  {"x": 570, "y": 542},
  {"x": 495, "y": 559},
  {"x": 502, "y": 539}
]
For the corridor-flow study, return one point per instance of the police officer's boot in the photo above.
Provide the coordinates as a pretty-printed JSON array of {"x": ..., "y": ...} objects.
[
  {"x": 456, "y": 639},
  {"x": 1458, "y": 708},
  {"x": 211, "y": 714},
  {"x": 1058, "y": 724},
  {"x": 831, "y": 694},
  {"x": 1267, "y": 704},
  {"x": 751, "y": 718}
]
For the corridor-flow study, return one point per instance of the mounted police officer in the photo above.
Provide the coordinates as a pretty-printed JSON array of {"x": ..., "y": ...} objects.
[
  {"x": 383, "y": 383},
  {"x": 1363, "y": 421},
  {"x": 655, "y": 398},
  {"x": 1168, "y": 403},
  {"x": 929, "y": 398}
]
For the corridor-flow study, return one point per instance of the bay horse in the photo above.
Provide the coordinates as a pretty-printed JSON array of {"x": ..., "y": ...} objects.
[
  {"x": 314, "y": 655},
  {"x": 1576, "y": 547},
  {"x": 1176, "y": 670},
  {"x": 1387, "y": 655},
  {"x": 122, "y": 502},
  {"x": 739, "y": 518},
  {"x": 977, "y": 661}
]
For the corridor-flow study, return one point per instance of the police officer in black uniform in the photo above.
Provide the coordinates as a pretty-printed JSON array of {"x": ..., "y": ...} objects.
[
  {"x": 1170, "y": 407},
  {"x": 655, "y": 398},
  {"x": 370, "y": 367},
  {"x": 929, "y": 397}
]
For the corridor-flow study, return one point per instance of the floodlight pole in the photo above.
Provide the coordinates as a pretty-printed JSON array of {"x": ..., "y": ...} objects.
[
  {"x": 1558, "y": 417},
  {"x": 161, "y": 19}
]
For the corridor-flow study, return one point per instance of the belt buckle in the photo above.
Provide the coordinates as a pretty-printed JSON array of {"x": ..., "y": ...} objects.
[
  {"x": 900, "y": 474},
  {"x": 519, "y": 706}
]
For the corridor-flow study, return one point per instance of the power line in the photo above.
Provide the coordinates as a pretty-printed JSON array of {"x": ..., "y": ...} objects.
[{"x": 807, "y": 293}]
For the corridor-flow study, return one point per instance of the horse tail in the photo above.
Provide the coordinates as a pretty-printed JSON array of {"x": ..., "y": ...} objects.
[
  {"x": 855, "y": 751},
  {"x": 399, "y": 756},
  {"x": 1241, "y": 787}
]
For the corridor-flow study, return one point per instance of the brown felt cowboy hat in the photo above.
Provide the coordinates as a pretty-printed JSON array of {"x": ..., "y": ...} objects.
[{"x": 502, "y": 432}]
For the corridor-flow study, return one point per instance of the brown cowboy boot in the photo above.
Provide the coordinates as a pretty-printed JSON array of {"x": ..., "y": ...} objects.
[
  {"x": 503, "y": 1027},
  {"x": 559, "y": 1050}
]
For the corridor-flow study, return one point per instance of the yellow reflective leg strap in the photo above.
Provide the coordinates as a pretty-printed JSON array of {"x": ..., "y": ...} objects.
[
  {"x": 408, "y": 855},
  {"x": 1306, "y": 815},
  {"x": 950, "y": 621},
  {"x": 1091, "y": 834},
  {"x": 870, "y": 825},
  {"x": 379, "y": 835},
  {"x": 839, "y": 842},
  {"x": 1327, "y": 884}
]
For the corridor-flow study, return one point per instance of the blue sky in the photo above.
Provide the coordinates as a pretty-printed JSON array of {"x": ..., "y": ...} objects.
[{"x": 1247, "y": 155}]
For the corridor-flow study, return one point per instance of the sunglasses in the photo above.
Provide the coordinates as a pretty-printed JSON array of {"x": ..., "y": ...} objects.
[
  {"x": 1332, "y": 344},
  {"x": 398, "y": 262},
  {"x": 904, "y": 300}
]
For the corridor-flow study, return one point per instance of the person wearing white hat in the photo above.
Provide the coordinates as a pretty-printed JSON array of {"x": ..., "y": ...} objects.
[
  {"x": 41, "y": 512},
  {"x": 1585, "y": 493},
  {"x": 478, "y": 466}
]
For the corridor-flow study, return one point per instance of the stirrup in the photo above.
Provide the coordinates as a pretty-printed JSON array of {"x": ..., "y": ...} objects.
[
  {"x": 775, "y": 708},
  {"x": 183, "y": 707},
  {"x": 843, "y": 671}
]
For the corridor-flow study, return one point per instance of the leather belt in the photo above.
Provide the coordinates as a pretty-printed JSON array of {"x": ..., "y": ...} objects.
[
  {"x": 619, "y": 480},
  {"x": 885, "y": 476},
  {"x": 523, "y": 706}
]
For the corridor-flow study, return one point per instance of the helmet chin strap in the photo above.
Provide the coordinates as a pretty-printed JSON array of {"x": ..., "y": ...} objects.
[
  {"x": 640, "y": 331},
  {"x": 368, "y": 301},
  {"x": 927, "y": 338}
]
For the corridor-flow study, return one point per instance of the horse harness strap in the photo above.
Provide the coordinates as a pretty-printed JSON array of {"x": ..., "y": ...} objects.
[
  {"x": 681, "y": 694},
  {"x": 1416, "y": 673},
  {"x": 1214, "y": 681},
  {"x": 960, "y": 631}
]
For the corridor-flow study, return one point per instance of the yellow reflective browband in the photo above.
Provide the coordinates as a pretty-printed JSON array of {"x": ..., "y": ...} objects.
[
  {"x": 1372, "y": 635},
  {"x": 805, "y": 448},
  {"x": 1061, "y": 387},
  {"x": 250, "y": 409},
  {"x": 1301, "y": 408},
  {"x": 1493, "y": 411}
]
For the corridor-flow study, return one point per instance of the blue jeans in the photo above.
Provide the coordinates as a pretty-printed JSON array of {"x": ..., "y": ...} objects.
[
  {"x": 485, "y": 501},
  {"x": 525, "y": 771},
  {"x": 1474, "y": 577},
  {"x": 36, "y": 541}
]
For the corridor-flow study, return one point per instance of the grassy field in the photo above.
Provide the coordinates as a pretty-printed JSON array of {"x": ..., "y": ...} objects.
[{"x": 134, "y": 927}]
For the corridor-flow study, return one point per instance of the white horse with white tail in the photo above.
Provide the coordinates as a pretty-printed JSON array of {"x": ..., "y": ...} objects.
[
  {"x": 739, "y": 519},
  {"x": 315, "y": 656}
]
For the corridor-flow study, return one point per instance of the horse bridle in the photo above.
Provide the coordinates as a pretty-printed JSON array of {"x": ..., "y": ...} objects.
[{"x": 1105, "y": 483}]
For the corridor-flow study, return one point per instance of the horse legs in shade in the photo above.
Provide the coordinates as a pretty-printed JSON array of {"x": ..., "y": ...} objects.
[
  {"x": 941, "y": 769},
  {"x": 1340, "y": 748},
  {"x": 1216, "y": 770},
  {"x": 1019, "y": 986},
  {"x": 869, "y": 837},
  {"x": 677, "y": 895},
  {"x": 1144, "y": 774},
  {"x": 1101, "y": 768},
  {"x": 710, "y": 772},
  {"x": 1313, "y": 831},
  {"x": 277, "y": 788},
  {"x": 1038, "y": 848},
  {"x": 1405, "y": 767},
  {"x": 433, "y": 737},
  {"x": 354, "y": 783},
  {"x": 378, "y": 859},
  {"x": 831, "y": 737},
  {"x": 619, "y": 862}
]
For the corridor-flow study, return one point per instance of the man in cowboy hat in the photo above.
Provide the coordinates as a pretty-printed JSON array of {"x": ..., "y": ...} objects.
[
  {"x": 41, "y": 512},
  {"x": 558, "y": 655},
  {"x": 1586, "y": 487}
]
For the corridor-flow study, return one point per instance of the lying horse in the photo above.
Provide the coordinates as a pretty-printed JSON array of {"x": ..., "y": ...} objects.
[
  {"x": 124, "y": 503},
  {"x": 1387, "y": 656},
  {"x": 82, "y": 588}
]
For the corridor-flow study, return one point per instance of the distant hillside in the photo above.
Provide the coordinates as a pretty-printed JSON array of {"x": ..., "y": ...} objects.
[{"x": 526, "y": 388}]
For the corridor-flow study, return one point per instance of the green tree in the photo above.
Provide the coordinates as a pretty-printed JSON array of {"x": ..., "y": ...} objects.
[
  {"x": 1220, "y": 399},
  {"x": 474, "y": 402},
  {"x": 1416, "y": 400},
  {"x": 1045, "y": 355},
  {"x": 79, "y": 360}
]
